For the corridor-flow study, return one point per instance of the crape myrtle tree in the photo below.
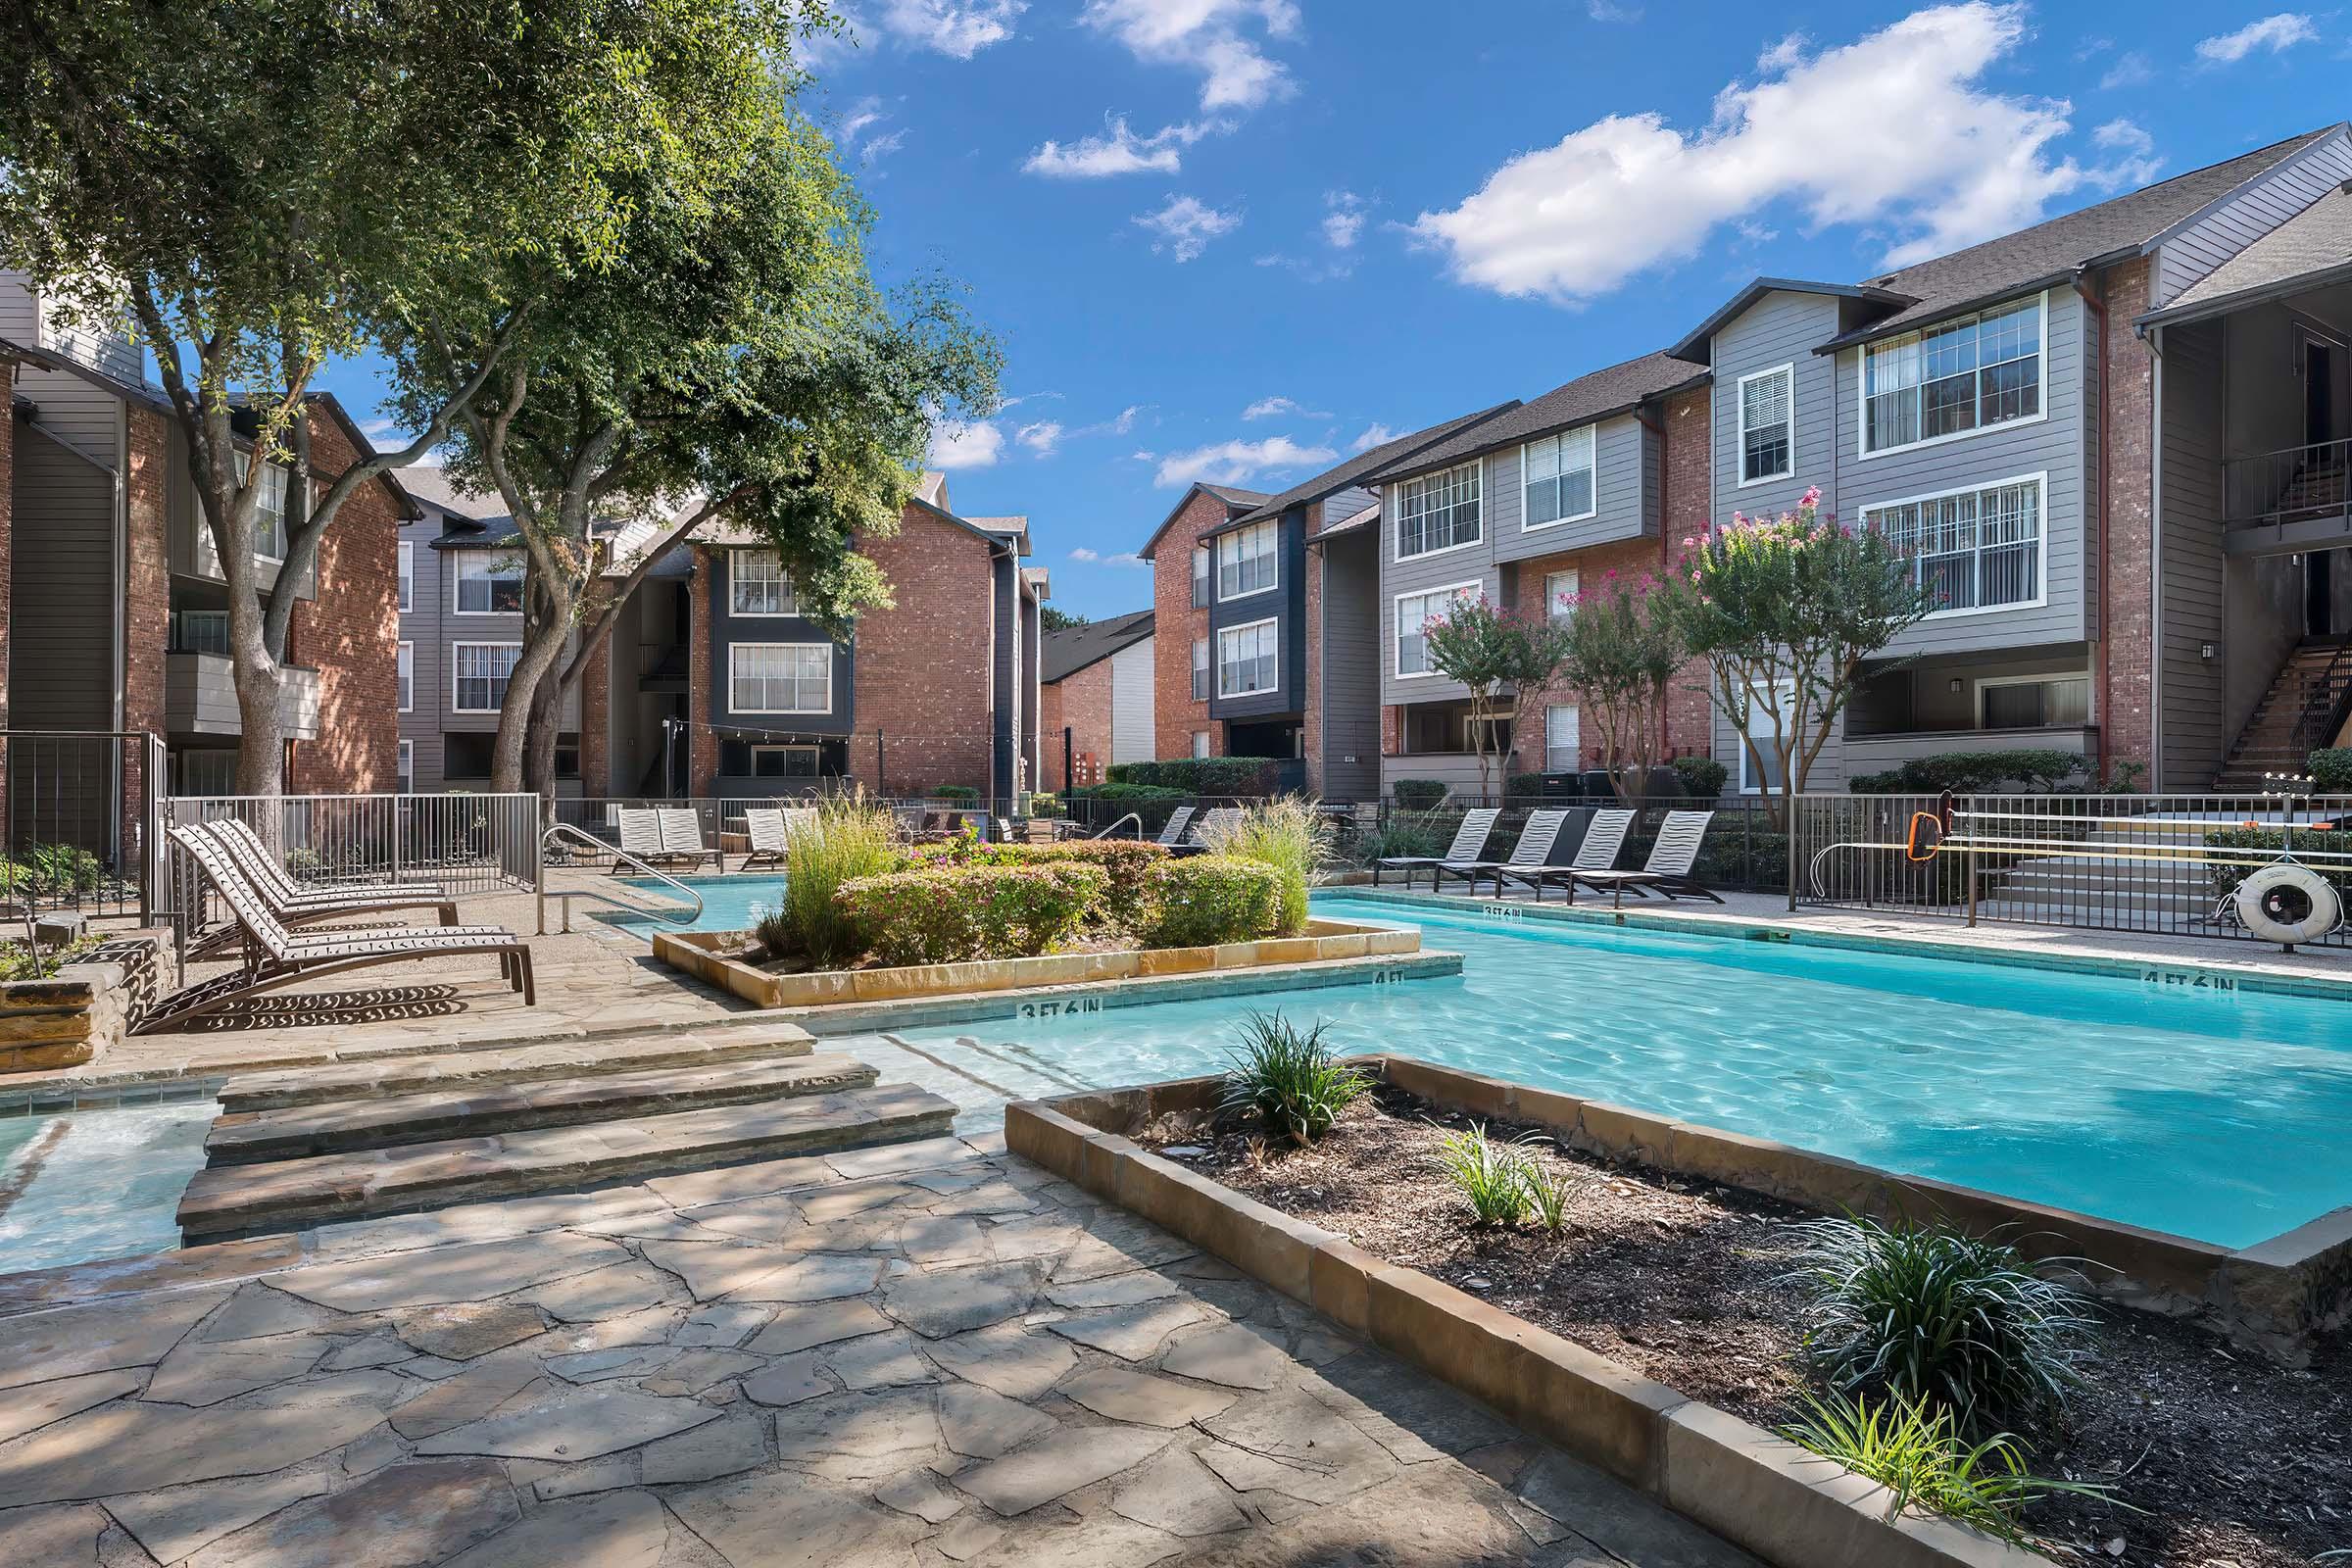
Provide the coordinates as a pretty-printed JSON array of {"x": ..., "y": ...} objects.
[
  {"x": 1785, "y": 611},
  {"x": 1489, "y": 649},
  {"x": 264, "y": 187},
  {"x": 735, "y": 365},
  {"x": 1624, "y": 646}
]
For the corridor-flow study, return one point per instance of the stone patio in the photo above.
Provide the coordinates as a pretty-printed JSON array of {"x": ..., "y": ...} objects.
[{"x": 927, "y": 1353}]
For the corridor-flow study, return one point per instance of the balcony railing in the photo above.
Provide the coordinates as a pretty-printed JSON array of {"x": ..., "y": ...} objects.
[
  {"x": 200, "y": 698},
  {"x": 2294, "y": 484}
]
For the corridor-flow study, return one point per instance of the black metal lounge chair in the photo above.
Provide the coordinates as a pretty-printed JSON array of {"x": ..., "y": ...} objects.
[
  {"x": 1535, "y": 839},
  {"x": 1668, "y": 869},
  {"x": 1605, "y": 836},
  {"x": 1469, "y": 841}
]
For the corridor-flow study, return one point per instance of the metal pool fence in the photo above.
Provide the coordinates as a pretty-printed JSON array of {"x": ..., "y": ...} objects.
[{"x": 79, "y": 817}]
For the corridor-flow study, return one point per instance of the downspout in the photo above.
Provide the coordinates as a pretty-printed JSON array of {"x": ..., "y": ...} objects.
[
  {"x": 2098, "y": 311},
  {"x": 121, "y": 532},
  {"x": 1657, "y": 432},
  {"x": 2155, "y": 342}
]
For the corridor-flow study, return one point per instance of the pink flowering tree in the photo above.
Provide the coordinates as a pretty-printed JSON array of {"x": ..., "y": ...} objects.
[
  {"x": 1623, "y": 644},
  {"x": 1492, "y": 649},
  {"x": 1785, "y": 611}
]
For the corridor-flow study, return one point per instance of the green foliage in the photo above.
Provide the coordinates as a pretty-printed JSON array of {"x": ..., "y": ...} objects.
[
  {"x": 52, "y": 870},
  {"x": 1492, "y": 1177},
  {"x": 2330, "y": 770},
  {"x": 1208, "y": 899},
  {"x": 1703, "y": 777},
  {"x": 1125, "y": 863},
  {"x": 1287, "y": 834},
  {"x": 1153, "y": 803},
  {"x": 1202, "y": 775},
  {"x": 1972, "y": 772},
  {"x": 1549, "y": 1194},
  {"x": 1623, "y": 646},
  {"x": 1915, "y": 1450},
  {"x": 2257, "y": 843},
  {"x": 954, "y": 913},
  {"x": 1046, "y": 805},
  {"x": 851, "y": 839},
  {"x": 1488, "y": 648},
  {"x": 19, "y": 961},
  {"x": 1927, "y": 1313},
  {"x": 1286, "y": 1081},
  {"x": 2124, "y": 778},
  {"x": 1408, "y": 835},
  {"x": 1052, "y": 618},
  {"x": 952, "y": 792},
  {"x": 1418, "y": 794}
]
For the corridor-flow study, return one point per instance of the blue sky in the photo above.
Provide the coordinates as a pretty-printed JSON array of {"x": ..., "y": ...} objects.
[{"x": 1233, "y": 239}]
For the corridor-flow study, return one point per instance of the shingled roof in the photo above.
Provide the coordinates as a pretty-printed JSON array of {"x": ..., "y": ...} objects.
[
  {"x": 1064, "y": 653},
  {"x": 2316, "y": 241},
  {"x": 1588, "y": 398},
  {"x": 1356, "y": 469}
]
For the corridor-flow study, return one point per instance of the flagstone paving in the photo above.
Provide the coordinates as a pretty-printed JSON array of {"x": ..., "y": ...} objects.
[{"x": 916, "y": 1355}]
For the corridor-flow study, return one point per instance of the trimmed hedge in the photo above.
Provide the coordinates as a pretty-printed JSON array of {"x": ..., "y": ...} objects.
[
  {"x": 952, "y": 792},
  {"x": 1970, "y": 773},
  {"x": 1211, "y": 899},
  {"x": 1203, "y": 775},
  {"x": 1702, "y": 776},
  {"x": 1125, "y": 863},
  {"x": 1418, "y": 794},
  {"x": 2252, "y": 842},
  {"x": 952, "y": 915},
  {"x": 2331, "y": 770},
  {"x": 1150, "y": 802}
]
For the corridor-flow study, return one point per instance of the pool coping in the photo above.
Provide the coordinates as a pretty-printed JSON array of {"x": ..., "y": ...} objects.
[{"x": 1787, "y": 1505}]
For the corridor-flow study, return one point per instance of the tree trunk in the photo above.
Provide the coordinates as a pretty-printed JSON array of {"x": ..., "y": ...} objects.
[
  {"x": 539, "y": 744},
  {"x": 260, "y": 683},
  {"x": 546, "y": 621}
]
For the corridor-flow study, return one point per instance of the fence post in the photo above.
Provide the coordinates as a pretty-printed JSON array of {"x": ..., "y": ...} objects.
[
  {"x": 1794, "y": 806},
  {"x": 1970, "y": 861}
]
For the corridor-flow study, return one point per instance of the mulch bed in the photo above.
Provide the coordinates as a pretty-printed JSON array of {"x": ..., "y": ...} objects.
[{"x": 2235, "y": 1463}]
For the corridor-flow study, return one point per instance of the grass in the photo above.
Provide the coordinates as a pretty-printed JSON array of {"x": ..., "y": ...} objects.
[
  {"x": 1287, "y": 1080},
  {"x": 1492, "y": 1177},
  {"x": 1287, "y": 834},
  {"x": 852, "y": 837}
]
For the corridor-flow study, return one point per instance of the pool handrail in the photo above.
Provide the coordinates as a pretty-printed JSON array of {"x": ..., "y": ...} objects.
[
  {"x": 1137, "y": 817},
  {"x": 556, "y": 835}
]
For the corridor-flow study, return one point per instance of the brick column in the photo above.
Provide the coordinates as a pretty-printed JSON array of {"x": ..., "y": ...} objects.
[
  {"x": 349, "y": 632},
  {"x": 1312, "y": 719},
  {"x": 1688, "y": 476},
  {"x": 8, "y": 484},
  {"x": 2128, "y": 641},
  {"x": 702, "y": 741}
]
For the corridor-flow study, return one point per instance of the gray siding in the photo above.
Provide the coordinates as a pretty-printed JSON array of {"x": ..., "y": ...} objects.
[
  {"x": 1286, "y": 605},
  {"x": 432, "y": 626},
  {"x": 727, "y": 627},
  {"x": 77, "y": 413},
  {"x": 1623, "y": 488},
  {"x": 2191, "y": 696},
  {"x": 63, "y": 601},
  {"x": 1350, "y": 660},
  {"x": 2247, "y": 215}
]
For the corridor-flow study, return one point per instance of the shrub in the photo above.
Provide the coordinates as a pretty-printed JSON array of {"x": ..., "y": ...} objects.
[
  {"x": 1926, "y": 1313},
  {"x": 1126, "y": 868},
  {"x": 2256, "y": 843},
  {"x": 952, "y": 792},
  {"x": 951, "y": 914},
  {"x": 1971, "y": 774},
  {"x": 1915, "y": 1450},
  {"x": 1702, "y": 776},
  {"x": 1492, "y": 1177},
  {"x": 1550, "y": 1194},
  {"x": 1404, "y": 835},
  {"x": 52, "y": 869},
  {"x": 1287, "y": 834},
  {"x": 17, "y": 961},
  {"x": 1202, "y": 775},
  {"x": 1046, "y": 805},
  {"x": 2330, "y": 770},
  {"x": 1418, "y": 794},
  {"x": 1209, "y": 899},
  {"x": 851, "y": 837},
  {"x": 1286, "y": 1081},
  {"x": 1105, "y": 803}
]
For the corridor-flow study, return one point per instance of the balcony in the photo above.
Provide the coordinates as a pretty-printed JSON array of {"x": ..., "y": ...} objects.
[
  {"x": 2296, "y": 498},
  {"x": 1884, "y": 751},
  {"x": 200, "y": 698}
]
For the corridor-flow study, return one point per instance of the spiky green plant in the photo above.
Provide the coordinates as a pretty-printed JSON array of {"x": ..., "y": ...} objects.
[
  {"x": 1549, "y": 1193},
  {"x": 1915, "y": 1450},
  {"x": 1285, "y": 833},
  {"x": 1287, "y": 1080},
  {"x": 1492, "y": 1177},
  {"x": 1925, "y": 1312},
  {"x": 852, "y": 837}
]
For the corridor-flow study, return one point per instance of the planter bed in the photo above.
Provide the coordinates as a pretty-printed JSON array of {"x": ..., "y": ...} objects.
[
  {"x": 1665, "y": 1291},
  {"x": 74, "y": 1015},
  {"x": 704, "y": 955}
]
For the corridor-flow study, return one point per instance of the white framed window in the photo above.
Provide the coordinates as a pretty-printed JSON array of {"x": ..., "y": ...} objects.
[
  {"x": 1200, "y": 575},
  {"x": 2033, "y": 702},
  {"x": 1247, "y": 560},
  {"x": 1414, "y": 613},
  {"x": 405, "y": 781},
  {"x": 1557, "y": 473},
  {"x": 1200, "y": 669},
  {"x": 1563, "y": 743},
  {"x": 784, "y": 762},
  {"x": 403, "y": 676},
  {"x": 1559, "y": 595},
  {"x": 1975, "y": 549},
  {"x": 1954, "y": 378},
  {"x": 1200, "y": 743},
  {"x": 1764, "y": 727},
  {"x": 780, "y": 677},
  {"x": 1248, "y": 658},
  {"x": 269, "y": 509},
  {"x": 478, "y": 673},
  {"x": 757, "y": 586},
  {"x": 1768, "y": 424},
  {"x": 485, "y": 582},
  {"x": 1437, "y": 511},
  {"x": 407, "y": 577}
]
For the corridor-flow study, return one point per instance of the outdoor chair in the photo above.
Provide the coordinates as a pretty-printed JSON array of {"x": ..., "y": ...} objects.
[
  {"x": 1171, "y": 832},
  {"x": 772, "y": 829},
  {"x": 1535, "y": 839},
  {"x": 640, "y": 837},
  {"x": 1668, "y": 868},
  {"x": 682, "y": 838},
  {"x": 1215, "y": 819},
  {"x": 1469, "y": 842},
  {"x": 295, "y": 905},
  {"x": 276, "y": 956},
  {"x": 1605, "y": 836}
]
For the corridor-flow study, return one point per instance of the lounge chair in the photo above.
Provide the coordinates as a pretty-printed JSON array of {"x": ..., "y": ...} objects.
[
  {"x": 640, "y": 837},
  {"x": 772, "y": 829},
  {"x": 1215, "y": 819},
  {"x": 1605, "y": 836},
  {"x": 297, "y": 906},
  {"x": 1171, "y": 832},
  {"x": 1668, "y": 869},
  {"x": 277, "y": 957},
  {"x": 1535, "y": 839},
  {"x": 1469, "y": 841},
  {"x": 682, "y": 838}
]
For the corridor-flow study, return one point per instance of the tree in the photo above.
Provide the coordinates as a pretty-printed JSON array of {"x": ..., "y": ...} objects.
[
  {"x": 1624, "y": 646},
  {"x": 1053, "y": 619},
  {"x": 1488, "y": 649},
  {"x": 1785, "y": 611}
]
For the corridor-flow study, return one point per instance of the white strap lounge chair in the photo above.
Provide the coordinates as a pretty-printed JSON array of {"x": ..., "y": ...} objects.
[
  {"x": 1604, "y": 837},
  {"x": 1469, "y": 842},
  {"x": 262, "y": 866},
  {"x": 276, "y": 957},
  {"x": 682, "y": 837},
  {"x": 1171, "y": 832},
  {"x": 295, "y": 905},
  {"x": 1668, "y": 868},
  {"x": 640, "y": 836},
  {"x": 772, "y": 829},
  {"x": 1533, "y": 848}
]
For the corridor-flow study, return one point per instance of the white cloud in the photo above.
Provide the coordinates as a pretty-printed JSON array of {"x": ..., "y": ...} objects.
[
  {"x": 961, "y": 28},
  {"x": 1268, "y": 407},
  {"x": 1120, "y": 424},
  {"x": 1610, "y": 10},
  {"x": 1186, "y": 226},
  {"x": 2275, "y": 34},
  {"x": 1373, "y": 435},
  {"x": 1206, "y": 36},
  {"x": 1120, "y": 151},
  {"x": 2134, "y": 153},
  {"x": 965, "y": 444},
  {"x": 1232, "y": 462},
  {"x": 1122, "y": 558},
  {"x": 1969, "y": 164},
  {"x": 2129, "y": 71},
  {"x": 1041, "y": 438},
  {"x": 1343, "y": 218}
]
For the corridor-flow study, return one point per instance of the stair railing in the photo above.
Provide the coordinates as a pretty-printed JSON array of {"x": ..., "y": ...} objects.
[
  {"x": 563, "y": 835},
  {"x": 2327, "y": 704}
]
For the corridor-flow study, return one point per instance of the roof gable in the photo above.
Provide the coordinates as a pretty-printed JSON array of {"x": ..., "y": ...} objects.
[
  {"x": 1063, "y": 653},
  {"x": 1236, "y": 499}
]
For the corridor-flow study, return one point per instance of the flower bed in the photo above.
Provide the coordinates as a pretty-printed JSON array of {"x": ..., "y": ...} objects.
[{"x": 66, "y": 1019}]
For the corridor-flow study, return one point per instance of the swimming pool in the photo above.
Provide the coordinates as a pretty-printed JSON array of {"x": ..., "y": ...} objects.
[
  {"x": 729, "y": 903},
  {"x": 90, "y": 1184},
  {"x": 2218, "y": 1115}
]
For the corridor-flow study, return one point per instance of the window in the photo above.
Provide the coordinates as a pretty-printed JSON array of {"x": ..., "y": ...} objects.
[
  {"x": 1200, "y": 575},
  {"x": 1200, "y": 743},
  {"x": 2041, "y": 702},
  {"x": 405, "y": 676},
  {"x": 1764, "y": 728},
  {"x": 1246, "y": 661},
  {"x": 1437, "y": 512},
  {"x": 268, "y": 510},
  {"x": 1246, "y": 561},
  {"x": 758, "y": 584},
  {"x": 1563, "y": 747},
  {"x": 407, "y": 577},
  {"x": 479, "y": 672},
  {"x": 1768, "y": 425},
  {"x": 780, "y": 677},
  {"x": 1200, "y": 669},
  {"x": 200, "y": 631},
  {"x": 1559, "y": 595},
  {"x": 406, "y": 782},
  {"x": 1964, "y": 375},
  {"x": 207, "y": 772},
  {"x": 784, "y": 762},
  {"x": 1973, "y": 549},
  {"x": 1557, "y": 471},
  {"x": 567, "y": 756},
  {"x": 1415, "y": 612},
  {"x": 489, "y": 582}
]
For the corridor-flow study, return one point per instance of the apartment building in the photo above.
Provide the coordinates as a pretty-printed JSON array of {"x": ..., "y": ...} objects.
[
  {"x": 1180, "y": 576},
  {"x": 1096, "y": 699}
]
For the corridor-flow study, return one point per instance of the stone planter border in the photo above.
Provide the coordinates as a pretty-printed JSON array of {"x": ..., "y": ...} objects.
[
  {"x": 1325, "y": 941},
  {"x": 70, "y": 1018}
]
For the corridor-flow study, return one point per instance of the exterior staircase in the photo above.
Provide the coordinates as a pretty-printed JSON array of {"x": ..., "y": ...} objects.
[{"x": 2297, "y": 716}]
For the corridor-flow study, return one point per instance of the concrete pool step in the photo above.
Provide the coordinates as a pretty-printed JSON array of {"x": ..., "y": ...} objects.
[
  {"x": 340, "y": 1126},
  {"x": 226, "y": 1200},
  {"x": 535, "y": 1061}
]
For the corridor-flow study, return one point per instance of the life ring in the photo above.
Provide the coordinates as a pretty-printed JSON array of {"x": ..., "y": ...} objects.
[{"x": 2287, "y": 905}]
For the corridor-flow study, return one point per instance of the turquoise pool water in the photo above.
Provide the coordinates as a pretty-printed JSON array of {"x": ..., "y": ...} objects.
[
  {"x": 2225, "y": 1116},
  {"x": 91, "y": 1184},
  {"x": 729, "y": 902}
]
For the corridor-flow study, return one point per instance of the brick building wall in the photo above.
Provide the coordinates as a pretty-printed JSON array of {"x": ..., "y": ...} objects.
[
  {"x": 1082, "y": 702},
  {"x": 1688, "y": 475},
  {"x": 1630, "y": 560},
  {"x": 702, "y": 741},
  {"x": 349, "y": 632},
  {"x": 1177, "y": 624},
  {"x": 2127, "y": 728},
  {"x": 8, "y": 485},
  {"x": 1311, "y": 737},
  {"x": 147, "y": 586},
  {"x": 924, "y": 671}
]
